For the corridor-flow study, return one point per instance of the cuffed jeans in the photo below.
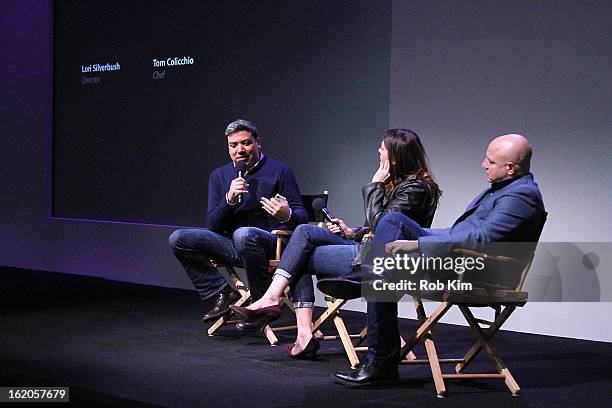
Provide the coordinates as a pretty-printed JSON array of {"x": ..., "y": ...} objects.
[
  {"x": 249, "y": 247},
  {"x": 383, "y": 331},
  {"x": 314, "y": 251}
]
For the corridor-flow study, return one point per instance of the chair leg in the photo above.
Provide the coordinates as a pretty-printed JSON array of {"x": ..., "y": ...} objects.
[
  {"x": 499, "y": 364},
  {"x": 362, "y": 335},
  {"x": 269, "y": 333},
  {"x": 475, "y": 349},
  {"x": 425, "y": 327},
  {"x": 223, "y": 320},
  {"x": 219, "y": 323},
  {"x": 285, "y": 301},
  {"x": 332, "y": 309},
  {"x": 410, "y": 356},
  {"x": 346, "y": 341},
  {"x": 430, "y": 348},
  {"x": 333, "y": 312},
  {"x": 434, "y": 363}
]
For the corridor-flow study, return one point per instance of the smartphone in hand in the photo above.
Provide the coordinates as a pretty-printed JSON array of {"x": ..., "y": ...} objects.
[{"x": 280, "y": 197}]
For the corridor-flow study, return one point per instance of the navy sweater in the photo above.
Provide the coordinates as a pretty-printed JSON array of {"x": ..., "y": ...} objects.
[{"x": 266, "y": 179}]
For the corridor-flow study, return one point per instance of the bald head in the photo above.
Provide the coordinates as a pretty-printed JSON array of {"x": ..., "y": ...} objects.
[{"x": 507, "y": 156}]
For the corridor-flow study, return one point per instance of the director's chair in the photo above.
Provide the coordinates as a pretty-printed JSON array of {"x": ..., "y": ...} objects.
[
  {"x": 350, "y": 342},
  {"x": 503, "y": 301},
  {"x": 332, "y": 312},
  {"x": 245, "y": 296},
  {"x": 281, "y": 237}
]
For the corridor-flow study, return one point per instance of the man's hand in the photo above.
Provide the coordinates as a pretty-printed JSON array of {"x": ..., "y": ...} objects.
[
  {"x": 279, "y": 209},
  {"x": 237, "y": 187},
  {"x": 401, "y": 245},
  {"x": 338, "y": 225},
  {"x": 382, "y": 174}
]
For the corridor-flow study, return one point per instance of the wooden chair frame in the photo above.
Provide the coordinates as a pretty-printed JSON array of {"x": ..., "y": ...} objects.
[
  {"x": 350, "y": 342},
  {"x": 245, "y": 295},
  {"x": 332, "y": 313},
  {"x": 286, "y": 234},
  {"x": 268, "y": 331},
  {"x": 503, "y": 301},
  {"x": 424, "y": 335}
]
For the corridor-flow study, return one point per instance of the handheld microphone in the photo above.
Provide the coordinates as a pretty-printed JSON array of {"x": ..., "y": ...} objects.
[
  {"x": 240, "y": 167},
  {"x": 319, "y": 205}
]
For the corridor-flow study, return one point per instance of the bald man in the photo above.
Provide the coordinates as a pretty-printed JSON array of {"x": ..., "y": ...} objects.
[
  {"x": 509, "y": 211},
  {"x": 507, "y": 156}
]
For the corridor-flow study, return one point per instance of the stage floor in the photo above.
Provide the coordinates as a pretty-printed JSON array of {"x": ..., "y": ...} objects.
[{"x": 119, "y": 344}]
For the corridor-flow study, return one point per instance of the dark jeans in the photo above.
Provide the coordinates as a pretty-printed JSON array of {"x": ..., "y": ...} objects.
[
  {"x": 315, "y": 251},
  {"x": 249, "y": 247},
  {"x": 383, "y": 331}
]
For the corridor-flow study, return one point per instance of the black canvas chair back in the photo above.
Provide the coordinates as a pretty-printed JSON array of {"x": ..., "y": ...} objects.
[{"x": 307, "y": 199}]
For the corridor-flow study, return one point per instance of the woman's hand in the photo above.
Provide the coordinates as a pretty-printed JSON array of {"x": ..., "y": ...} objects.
[
  {"x": 338, "y": 225},
  {"x": 382, "y": 174}
]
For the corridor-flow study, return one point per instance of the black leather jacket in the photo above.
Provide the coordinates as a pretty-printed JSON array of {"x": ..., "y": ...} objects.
[{"x": 411, "y": 198}]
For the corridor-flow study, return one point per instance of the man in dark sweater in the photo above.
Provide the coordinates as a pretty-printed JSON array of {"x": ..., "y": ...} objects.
[{"x": 241, "y": 213}]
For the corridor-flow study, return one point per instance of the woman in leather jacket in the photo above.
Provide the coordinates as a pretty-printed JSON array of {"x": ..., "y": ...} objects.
[{"x": 402, "y": 183}]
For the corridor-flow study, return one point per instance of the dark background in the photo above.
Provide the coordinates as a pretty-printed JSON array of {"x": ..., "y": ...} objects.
[{"x": 312, "y": 75}]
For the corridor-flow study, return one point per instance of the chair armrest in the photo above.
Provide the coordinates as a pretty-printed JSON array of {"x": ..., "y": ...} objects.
[
  {"x": 477, "y": 297},
  {"x": 499, "y": 258},
  {"x": 489, "y": 297},
  {"x": 279, "y": 239}
]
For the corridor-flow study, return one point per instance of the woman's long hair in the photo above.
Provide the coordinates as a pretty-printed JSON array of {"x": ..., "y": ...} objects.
[{"x": 407, "y": 158}]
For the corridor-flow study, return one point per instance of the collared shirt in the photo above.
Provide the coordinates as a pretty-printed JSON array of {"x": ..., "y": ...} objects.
[
  {"x": 497, "y": 185},
  {"x": 253, "y": 167}
]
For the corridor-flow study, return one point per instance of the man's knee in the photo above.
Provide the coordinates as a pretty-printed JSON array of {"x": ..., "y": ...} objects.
[
  {"x": 187, "y": 239},
  {"x": 247, "y": 237},
  {"x": 176, "y": 241}
]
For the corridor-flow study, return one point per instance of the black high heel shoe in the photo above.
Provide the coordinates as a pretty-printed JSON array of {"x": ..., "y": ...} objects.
[{"x": 311, "y": 348}]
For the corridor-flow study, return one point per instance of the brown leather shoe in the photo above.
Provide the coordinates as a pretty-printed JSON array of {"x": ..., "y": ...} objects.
[
  {"x": 256, "y": 320},
  {"x": 246, "y": 326},
  {"x": 221, "y": 306}
]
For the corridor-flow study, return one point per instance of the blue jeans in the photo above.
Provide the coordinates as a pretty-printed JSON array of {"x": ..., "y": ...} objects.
[
  {"x": 314, "y": 251},
  {"x": 383, "y": 331},
  {"x": 249, "y": 247}
]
